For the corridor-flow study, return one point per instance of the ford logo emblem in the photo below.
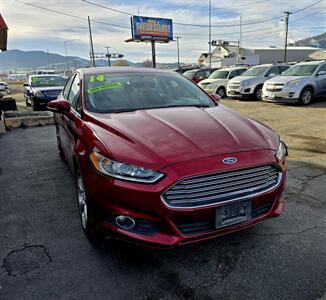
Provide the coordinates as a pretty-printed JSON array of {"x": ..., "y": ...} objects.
[{"x": 230, "y": 160}]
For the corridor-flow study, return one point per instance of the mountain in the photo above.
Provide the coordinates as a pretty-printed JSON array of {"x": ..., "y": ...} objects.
[
  {"x": 12, "y": 60},
  {"x": 318, "y": 41}
]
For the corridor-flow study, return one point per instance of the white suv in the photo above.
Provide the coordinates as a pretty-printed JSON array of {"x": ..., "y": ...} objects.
[
  {"x": 217, "y": 82},
  {"x": 299, "y": 84},
  {"x": 251, "y": 82}
]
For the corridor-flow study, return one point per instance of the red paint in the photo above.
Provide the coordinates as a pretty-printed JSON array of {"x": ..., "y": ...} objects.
[{"x": 180, "y": 142}]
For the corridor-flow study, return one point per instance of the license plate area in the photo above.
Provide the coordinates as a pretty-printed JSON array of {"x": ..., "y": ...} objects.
[{"x": 232, "y": 214}]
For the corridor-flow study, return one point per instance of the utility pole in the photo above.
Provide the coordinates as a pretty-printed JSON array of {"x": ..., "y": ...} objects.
[
  {"x": 241, "y": 35},
  {"x": 178, "y": 37},
  {"x": 92, "y": 60},
  {"x": 153, "y": 54},
  {"x": 108, "y": 55},
  {"x": 287, "y": 14},
  {"x": 210, "y": 33},
  {"x": 66, "y": 42}
]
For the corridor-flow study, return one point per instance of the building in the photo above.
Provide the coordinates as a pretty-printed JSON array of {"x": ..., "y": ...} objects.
[{"x": 224, "y": 55}]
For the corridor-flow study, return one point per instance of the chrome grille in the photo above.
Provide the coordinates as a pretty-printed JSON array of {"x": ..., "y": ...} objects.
[
  {"x": 234, "y": 85},
  {"x": 220, "y": 187},
  {"x": 276, "y": 87},
  {"x": 52, "y": 94}
]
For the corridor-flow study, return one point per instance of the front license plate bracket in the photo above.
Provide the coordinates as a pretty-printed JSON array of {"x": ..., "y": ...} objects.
[{"x": 232, "y": 214}]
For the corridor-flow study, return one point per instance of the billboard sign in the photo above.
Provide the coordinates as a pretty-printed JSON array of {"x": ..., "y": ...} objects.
[{"x": 149, "y": 29}]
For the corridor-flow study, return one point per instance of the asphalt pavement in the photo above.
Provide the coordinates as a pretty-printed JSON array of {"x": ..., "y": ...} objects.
[{"x": 45, "y": 255}]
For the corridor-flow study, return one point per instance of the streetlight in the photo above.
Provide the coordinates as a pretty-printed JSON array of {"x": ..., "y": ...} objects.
[{"x": 66, "y": 42}]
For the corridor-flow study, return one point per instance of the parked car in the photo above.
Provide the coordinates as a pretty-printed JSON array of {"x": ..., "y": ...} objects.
[
  {"x": 217, "y": 82},
  {"x": 157, "y": 161},
  {"x": 198, "y": 74},
  {"x": 250, "y": 83},
  {"x": 41, "y": 89},
  {"x": 299, "y": 84},
  {"x": 4, "y": 88}
]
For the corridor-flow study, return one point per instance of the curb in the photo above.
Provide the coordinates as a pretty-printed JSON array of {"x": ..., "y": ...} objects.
[{"x": 29, "y": 121}]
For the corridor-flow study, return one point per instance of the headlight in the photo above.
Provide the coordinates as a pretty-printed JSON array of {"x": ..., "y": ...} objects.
[
  {"x": 39, "y": 94},
  {"x": 123, "y": 171},
  {"x": 282, "y": 151},
  {"x": 293, "y": 83}
]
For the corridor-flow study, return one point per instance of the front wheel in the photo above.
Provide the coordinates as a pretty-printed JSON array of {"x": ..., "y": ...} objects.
[
  {"x": 258, "y": 92},
  {"x": 221, "y": 92},
  {"x": 306, "y": 96},
  {"x": 86, "y": 213},
  {"x": 26, "y": 102}
]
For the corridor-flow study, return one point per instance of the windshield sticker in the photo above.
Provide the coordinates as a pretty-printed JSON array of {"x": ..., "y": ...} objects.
[
  {"x": 108, "y": 86},
  {"x": 97, "y": 78},
  {"x": 35, "y": 79}
]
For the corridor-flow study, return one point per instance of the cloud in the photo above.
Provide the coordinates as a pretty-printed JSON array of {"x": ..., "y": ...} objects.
[{"x": 28, "y": 24}]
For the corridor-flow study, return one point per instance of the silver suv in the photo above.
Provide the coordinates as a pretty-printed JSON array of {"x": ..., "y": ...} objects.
[
  {"x": 250, "y": 83},
  {"x": 299, "y": 84},
  {"x": 216, "y": 83}
]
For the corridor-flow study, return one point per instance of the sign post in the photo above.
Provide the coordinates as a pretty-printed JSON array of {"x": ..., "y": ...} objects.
[{"x": 153, "y": 30}]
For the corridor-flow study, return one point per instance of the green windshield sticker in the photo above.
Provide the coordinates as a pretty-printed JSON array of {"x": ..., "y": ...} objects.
[
  {"x": 35, "y": 79},
  {"x": 97, "y": 78},
  {"x": 108, "y": 86}
]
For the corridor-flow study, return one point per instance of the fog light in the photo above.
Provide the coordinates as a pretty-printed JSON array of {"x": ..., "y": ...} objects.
[
  {"x": 125, "y": 222},
  {"x": 291, "y": 94}
]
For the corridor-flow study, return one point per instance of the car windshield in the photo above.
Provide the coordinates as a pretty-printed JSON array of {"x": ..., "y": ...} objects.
[
  {"x": 189, "y": 74},
  {"x": 42, "y": 81},
  {"x": 300, "y": 70},
  {"x": 255, "y": 71},
  {"x": 219, "y": 75},
  {"x": 120, "y": 92}
]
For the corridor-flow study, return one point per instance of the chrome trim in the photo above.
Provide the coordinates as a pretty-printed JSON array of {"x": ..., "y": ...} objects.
[{"x": 279, "y": 179}]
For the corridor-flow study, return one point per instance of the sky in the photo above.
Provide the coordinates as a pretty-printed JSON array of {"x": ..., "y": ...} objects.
[{"x": 32, "y": 28}]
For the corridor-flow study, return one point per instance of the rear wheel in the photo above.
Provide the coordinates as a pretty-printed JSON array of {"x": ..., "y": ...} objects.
[
  {"x": 306, "y": 96},
  {"x": 258, "y": 92},
  {"x": 221, "y": 92}
]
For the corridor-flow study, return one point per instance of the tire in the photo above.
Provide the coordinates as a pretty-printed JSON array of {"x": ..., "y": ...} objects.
[
  {"x": 306, "y": 96},
  {"x": 221, "y": 92},
  {"x": 86, "y": 212},
  {"x": 258, "y": 92}
]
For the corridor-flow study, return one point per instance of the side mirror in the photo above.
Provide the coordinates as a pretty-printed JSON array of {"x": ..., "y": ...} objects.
[
  {"x": 216, "y": 98},
  {"x": 59, "y": 106},
  {"x": 320, "y": 73},
  {"x": 25, "y": 84}
]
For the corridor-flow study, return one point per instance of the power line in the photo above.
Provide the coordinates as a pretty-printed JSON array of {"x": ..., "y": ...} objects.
[
  {"x": 69, "y": 15},
  {"x": 202, "y": 25}
]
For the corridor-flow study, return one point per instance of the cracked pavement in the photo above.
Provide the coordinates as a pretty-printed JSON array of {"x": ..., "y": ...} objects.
[{"x": 45, "y": 255}]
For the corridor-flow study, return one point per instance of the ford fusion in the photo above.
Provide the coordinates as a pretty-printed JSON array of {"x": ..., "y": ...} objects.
[{"x": 157, "y": 161}]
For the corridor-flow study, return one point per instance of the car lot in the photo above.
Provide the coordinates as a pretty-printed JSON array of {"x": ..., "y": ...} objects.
[{"x": 46, "y": 256}]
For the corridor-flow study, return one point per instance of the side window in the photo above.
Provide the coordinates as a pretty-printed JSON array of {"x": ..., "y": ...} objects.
[
  {"x": 74, "y": 91},
  {"x": 233, "y": 74},
  {"x": 273, "y": 71},
  {"x": 283, "y": 68},
  {"x": 240, "y": 71},
  {"x": 66, "y": 89},
  {"x": 200, "y": 75},
  {"x": 207, "y": 73},
  {"x": 322, "y": 68}
]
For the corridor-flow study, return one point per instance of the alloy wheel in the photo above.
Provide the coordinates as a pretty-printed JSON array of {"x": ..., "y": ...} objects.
[
  {"x": 81, "y": 200},
  {"x": 306, "y": 96}
]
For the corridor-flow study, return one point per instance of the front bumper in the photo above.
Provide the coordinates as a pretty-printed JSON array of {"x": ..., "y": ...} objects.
[
  {"x": 165, "y": 226},
  {"x": 242, "y": 91},
  {"x": 284, "y": 96}
]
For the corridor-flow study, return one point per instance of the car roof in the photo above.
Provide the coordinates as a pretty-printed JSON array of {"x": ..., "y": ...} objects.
[
  {"x": 97, "y": 70},
  {"x": 313, "y": 62},
  {"x": 45, "y": 75},
  {"x": 231, "y": 68}
]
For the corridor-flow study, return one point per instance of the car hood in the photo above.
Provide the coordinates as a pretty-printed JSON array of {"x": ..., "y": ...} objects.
[
  {"x": 286, "y": 79},
  {"x": 240, "y": 79},
  {"x": 156, "y": 138},
  {"x": 48, "y": 88}
]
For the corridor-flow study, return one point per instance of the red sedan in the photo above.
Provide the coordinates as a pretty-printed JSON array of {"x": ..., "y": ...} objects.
[{"x": 159, "y": 162}]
